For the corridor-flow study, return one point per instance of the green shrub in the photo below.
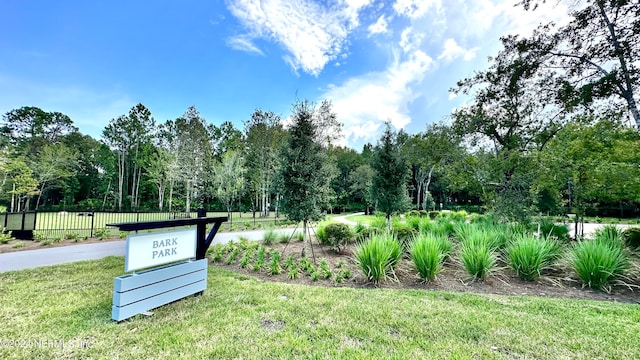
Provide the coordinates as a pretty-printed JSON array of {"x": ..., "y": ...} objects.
[
  {"x": 378, "y": 257},
  {"x": 427, "y": 256},
  {"x": 414, "y": 223},
  {"x": 477, "y": 258},
  {"x": 367, "y": 233},
  {"x": 292, "y": 272},
  {"x": 45, "y": 242},
  {"x": 71, "y": 236},
  {"x": 529, "y": 256},
  {"x": 610, "y": 235},
  {"x": 289, "y": 262},
  {"x": 298, "y": 236},
  {"x": 359, "y": 228},
  {"x": 270, "y": 236},
  {"x": 550, "y": 230},
  {"x": 631, "y": 237},
  {"x": 337, "y": 236},
  {"x": 321, "y": 234},
  {"x": 405, "y": 235},
  {"x": 379, "y": 223},
  {"x": 598, "y": 264},
  {"x": 433, "y": 214}
]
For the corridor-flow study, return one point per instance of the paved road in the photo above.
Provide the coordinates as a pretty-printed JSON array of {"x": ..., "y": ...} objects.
[
  {"x": 64, "y": 254},
  {"x": 343, "y": 219}
]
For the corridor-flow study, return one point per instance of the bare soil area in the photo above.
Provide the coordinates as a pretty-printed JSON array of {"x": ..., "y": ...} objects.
[{"x": 558, "y": 283}]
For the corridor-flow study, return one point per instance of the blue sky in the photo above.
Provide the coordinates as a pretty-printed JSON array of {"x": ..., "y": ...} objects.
[{"x": 375, "y": 60}]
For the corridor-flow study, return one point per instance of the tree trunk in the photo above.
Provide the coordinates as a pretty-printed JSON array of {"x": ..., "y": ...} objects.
[{"x": 188, "y": 202}]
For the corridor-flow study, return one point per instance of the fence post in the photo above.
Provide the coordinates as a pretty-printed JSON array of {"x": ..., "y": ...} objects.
[{"x": 93, "y": 216}]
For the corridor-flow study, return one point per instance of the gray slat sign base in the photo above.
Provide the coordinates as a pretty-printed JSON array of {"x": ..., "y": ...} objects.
[{"x": 136, "y": 293}]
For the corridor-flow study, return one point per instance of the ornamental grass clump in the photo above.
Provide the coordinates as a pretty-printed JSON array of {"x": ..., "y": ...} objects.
[
  {"x": 378, "y": 257},
  {"x": 609, "y": 235},
  {"x": 477, "y": 255},
  {"x": 598, "y": 263},
  {"x": 428, "y": 256},
  {"x": 528, "y": 256}
]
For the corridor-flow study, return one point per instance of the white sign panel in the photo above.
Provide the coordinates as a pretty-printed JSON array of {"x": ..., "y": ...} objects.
[{"x": 148, "y": 250}]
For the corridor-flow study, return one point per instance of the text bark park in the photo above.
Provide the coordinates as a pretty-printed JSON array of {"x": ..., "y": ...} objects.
[{"x": 165, "y": 247}]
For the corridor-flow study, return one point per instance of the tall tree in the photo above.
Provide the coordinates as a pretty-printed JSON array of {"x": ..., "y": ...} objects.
[
  {"x": 21, "y": 183},
  {"x": 29, "y": 128},
  {"x": 389, "y": 183},
  {"x": 265, "y": 137},
  {"x": 53, "y": 163},
  {"x": 304, "y": 174},
  {"x": 597, "y": 50},
  {"x": 229, "y": 178},
  {"x": 194, "y": 153}
]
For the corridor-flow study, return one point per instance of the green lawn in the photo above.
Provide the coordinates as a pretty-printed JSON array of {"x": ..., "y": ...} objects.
[{"x": 241, "y": 317}]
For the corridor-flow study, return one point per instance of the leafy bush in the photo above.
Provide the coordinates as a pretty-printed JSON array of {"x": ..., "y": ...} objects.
[
  {"x": 378, "y": 256},
  {"x": 45, "y": 242},
  {"x": 598, "y": 264},
  {"x": 477, "y": 258},
  {"x": 71, "y": 236},
  {"x": 433, "y": 214},
  {"x": 405, "y": 235},
  {"x": 336, "y": 235},
  {"x": 631, "y": 237},
  {"x": 233, "y": 255},
  {"x": 247, "y": 258},
  {"x": 367, "y": 233},
  {"x": 427, "y": 255},
  {"x": 324, "y": 270},
  {"x": 270, "y": 237},
  {"x": 529, "y": 256}
]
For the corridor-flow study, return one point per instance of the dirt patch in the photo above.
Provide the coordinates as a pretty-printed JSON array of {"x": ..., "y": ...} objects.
[{"x": 557, "y": 283}]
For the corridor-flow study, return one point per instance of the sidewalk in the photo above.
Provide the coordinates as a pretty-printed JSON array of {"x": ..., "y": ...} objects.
[{"x": 65, "y": 254}]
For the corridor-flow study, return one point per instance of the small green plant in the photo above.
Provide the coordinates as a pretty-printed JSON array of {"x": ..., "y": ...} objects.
[
  {"x": 18, "y": 245},
  {"x": 283, "y": 237},
  {"x": 274, "y": 264},
  {"x": 247, "y": 258},
  {"x": 598, "y": 264},
  {"x": 37, "y": 236},
  {"x": 260, "y": 258},
  {"x": 529, "y": 256},
  {"x": 123, "y": 234},
  {"x": 292, "y": 272},
  {"x": 477, "y": 258},
  {"x": 548, "y": 229},
  {"x": 289, "y": 262},
  {"x": 379, "y": 222},
  {"x": 270, "y": 237},
  {"x": 46, "y": 242},
  {"x": 315, "y": 276},
  {"x": 101, "y": 233},
  {"x": 219, "y": 250},
  {"x": 298, "y": 236},
  {"x": 324, "y": 270},
  {"x": 378, "y": 256},
  {"x": 427, "y": 256},
  {"x": 5, "y": 236},
  {"x": 56, "y": 239},
  {"x": 233, "y": 255},
  {"x": 72, "y": 236}
]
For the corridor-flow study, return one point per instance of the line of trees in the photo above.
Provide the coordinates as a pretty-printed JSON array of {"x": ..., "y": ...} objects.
[{"x": 551, "y": 127}]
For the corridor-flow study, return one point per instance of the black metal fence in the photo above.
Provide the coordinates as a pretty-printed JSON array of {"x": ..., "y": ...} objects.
[{"x": 89, "y": 224}]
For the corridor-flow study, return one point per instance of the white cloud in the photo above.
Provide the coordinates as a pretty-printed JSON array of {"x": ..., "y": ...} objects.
[
  {"x": 453, "y": 51},
  {"x": 415, "y": 9},
  {"x": 243, "y": 43},
  {"x": 364, "y": 103},
  {"x": 312, "y": 34},
  {"x": 410, "y": 40},
  {"x": 379, "y": 27}
]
